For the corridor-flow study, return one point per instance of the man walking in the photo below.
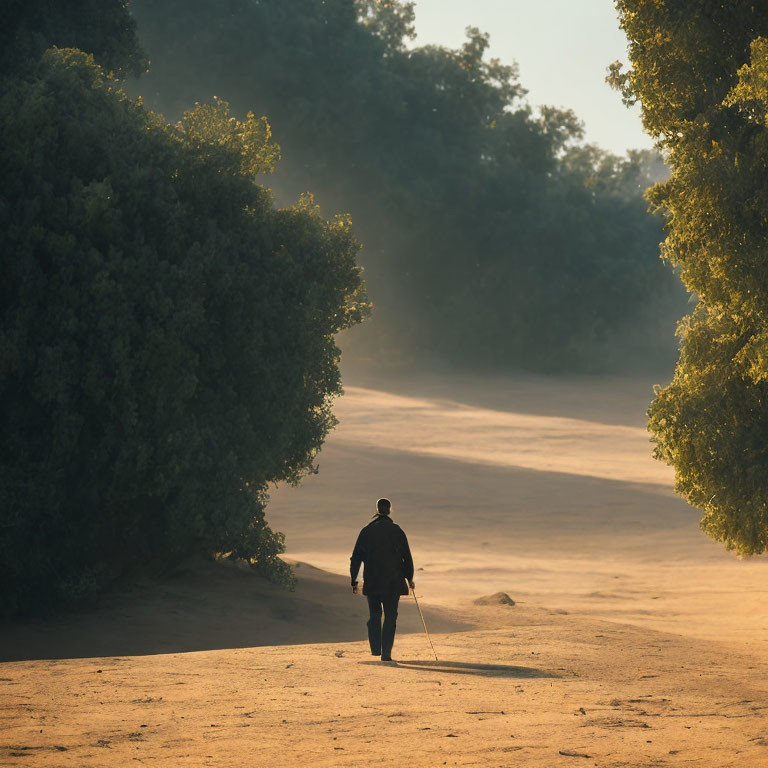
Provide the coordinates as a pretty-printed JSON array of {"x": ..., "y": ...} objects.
[{"x": 384, "y": 549}]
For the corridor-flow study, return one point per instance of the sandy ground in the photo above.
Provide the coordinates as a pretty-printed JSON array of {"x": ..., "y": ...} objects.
[
  {"x": 634, "y": 640},
  {"x": 562, "y": 511}
]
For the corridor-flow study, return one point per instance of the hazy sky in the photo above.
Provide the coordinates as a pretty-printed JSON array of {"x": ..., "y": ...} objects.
[{"x": 563, "y": 48}]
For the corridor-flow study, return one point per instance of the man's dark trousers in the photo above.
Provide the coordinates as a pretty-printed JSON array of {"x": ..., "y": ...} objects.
[{"x": 382, "y": 638}]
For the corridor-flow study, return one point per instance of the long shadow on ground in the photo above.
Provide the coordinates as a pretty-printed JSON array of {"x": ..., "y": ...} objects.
[
  {"x": 207, "y": 606},
  {"x": 470, "y": 668}
]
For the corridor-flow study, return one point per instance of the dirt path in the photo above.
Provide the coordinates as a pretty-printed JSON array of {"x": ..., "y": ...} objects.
[
  {"x": 541, "y": 689},
  {"x": 634, "y": 642}
]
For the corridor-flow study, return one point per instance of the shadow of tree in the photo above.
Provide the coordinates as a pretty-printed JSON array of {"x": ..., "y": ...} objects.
[{"x": 204, "y": 606}]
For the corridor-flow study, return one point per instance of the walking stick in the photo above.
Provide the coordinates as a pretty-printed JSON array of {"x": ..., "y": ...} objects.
[{"x": 413, "y": 592}]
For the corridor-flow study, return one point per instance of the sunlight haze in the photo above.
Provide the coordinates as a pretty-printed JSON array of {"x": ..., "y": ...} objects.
[
  {"x": 345, "y": 418},
  {"x": 563, "y": 48}
]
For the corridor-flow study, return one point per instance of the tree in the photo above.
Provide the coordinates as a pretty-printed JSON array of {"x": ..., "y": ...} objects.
[
  {"x": 486, "y": 243},
  {"x": 166, "y": 337},
  {"x": 104, "y": 28},
  {"x": 391, "y": 20},
  {"x": 700, "y": 71}
]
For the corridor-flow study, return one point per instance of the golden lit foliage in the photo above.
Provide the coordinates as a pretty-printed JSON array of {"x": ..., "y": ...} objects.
[
  {"x": 211, "y": 132},
  {"x": 700, "y": 71}
]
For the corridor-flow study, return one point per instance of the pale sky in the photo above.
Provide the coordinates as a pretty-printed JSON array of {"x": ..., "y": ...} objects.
[{"x": 563, "y": 48}]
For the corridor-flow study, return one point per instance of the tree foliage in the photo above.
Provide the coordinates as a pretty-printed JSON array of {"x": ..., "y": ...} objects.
[
  {"x": 166, "y": 338},
  {"x": 700, "y": 71},
  {"x": 493, "y": 235},
  {"x": 390, "y": 20},
  {"x": 104, "y": 28}
]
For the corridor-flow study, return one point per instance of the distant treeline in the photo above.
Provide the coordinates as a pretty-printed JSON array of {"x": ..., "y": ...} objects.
[
  {"x": 493, "y": 236},
  {"x": 166, "y": 335}
]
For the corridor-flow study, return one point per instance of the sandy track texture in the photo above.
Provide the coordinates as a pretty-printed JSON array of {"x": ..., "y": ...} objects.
[{"x": 634, "y": 641}]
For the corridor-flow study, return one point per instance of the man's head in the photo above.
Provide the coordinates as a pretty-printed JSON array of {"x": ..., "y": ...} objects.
[{"x": 383, "y": 506}]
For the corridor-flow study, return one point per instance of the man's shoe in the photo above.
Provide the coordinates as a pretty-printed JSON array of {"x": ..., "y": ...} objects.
[{"x": 386, "y": 658}]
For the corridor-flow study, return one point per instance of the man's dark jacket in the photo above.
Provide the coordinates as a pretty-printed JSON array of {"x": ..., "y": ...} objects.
[{"x": 383, "y": 548}]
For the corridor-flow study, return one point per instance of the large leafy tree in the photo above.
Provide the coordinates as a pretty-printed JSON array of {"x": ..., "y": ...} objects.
[
  {"x": 166, "y": 337},
  {"x": 700, "y": 71},
  {"x": 492, "y": 235}
]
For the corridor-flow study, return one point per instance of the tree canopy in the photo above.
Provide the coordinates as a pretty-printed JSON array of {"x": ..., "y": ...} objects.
[
  {"x": 104, "y": 28},
  {"x": 493, "y": 236},
  {"x": 700, "y": 72},
  {"x": 166, "y": 337}
]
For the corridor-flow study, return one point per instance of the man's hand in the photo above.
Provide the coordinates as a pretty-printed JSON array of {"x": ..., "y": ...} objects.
[
  {"x": 354, "y": 587},
  {"x": 411, "y": 585}
]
